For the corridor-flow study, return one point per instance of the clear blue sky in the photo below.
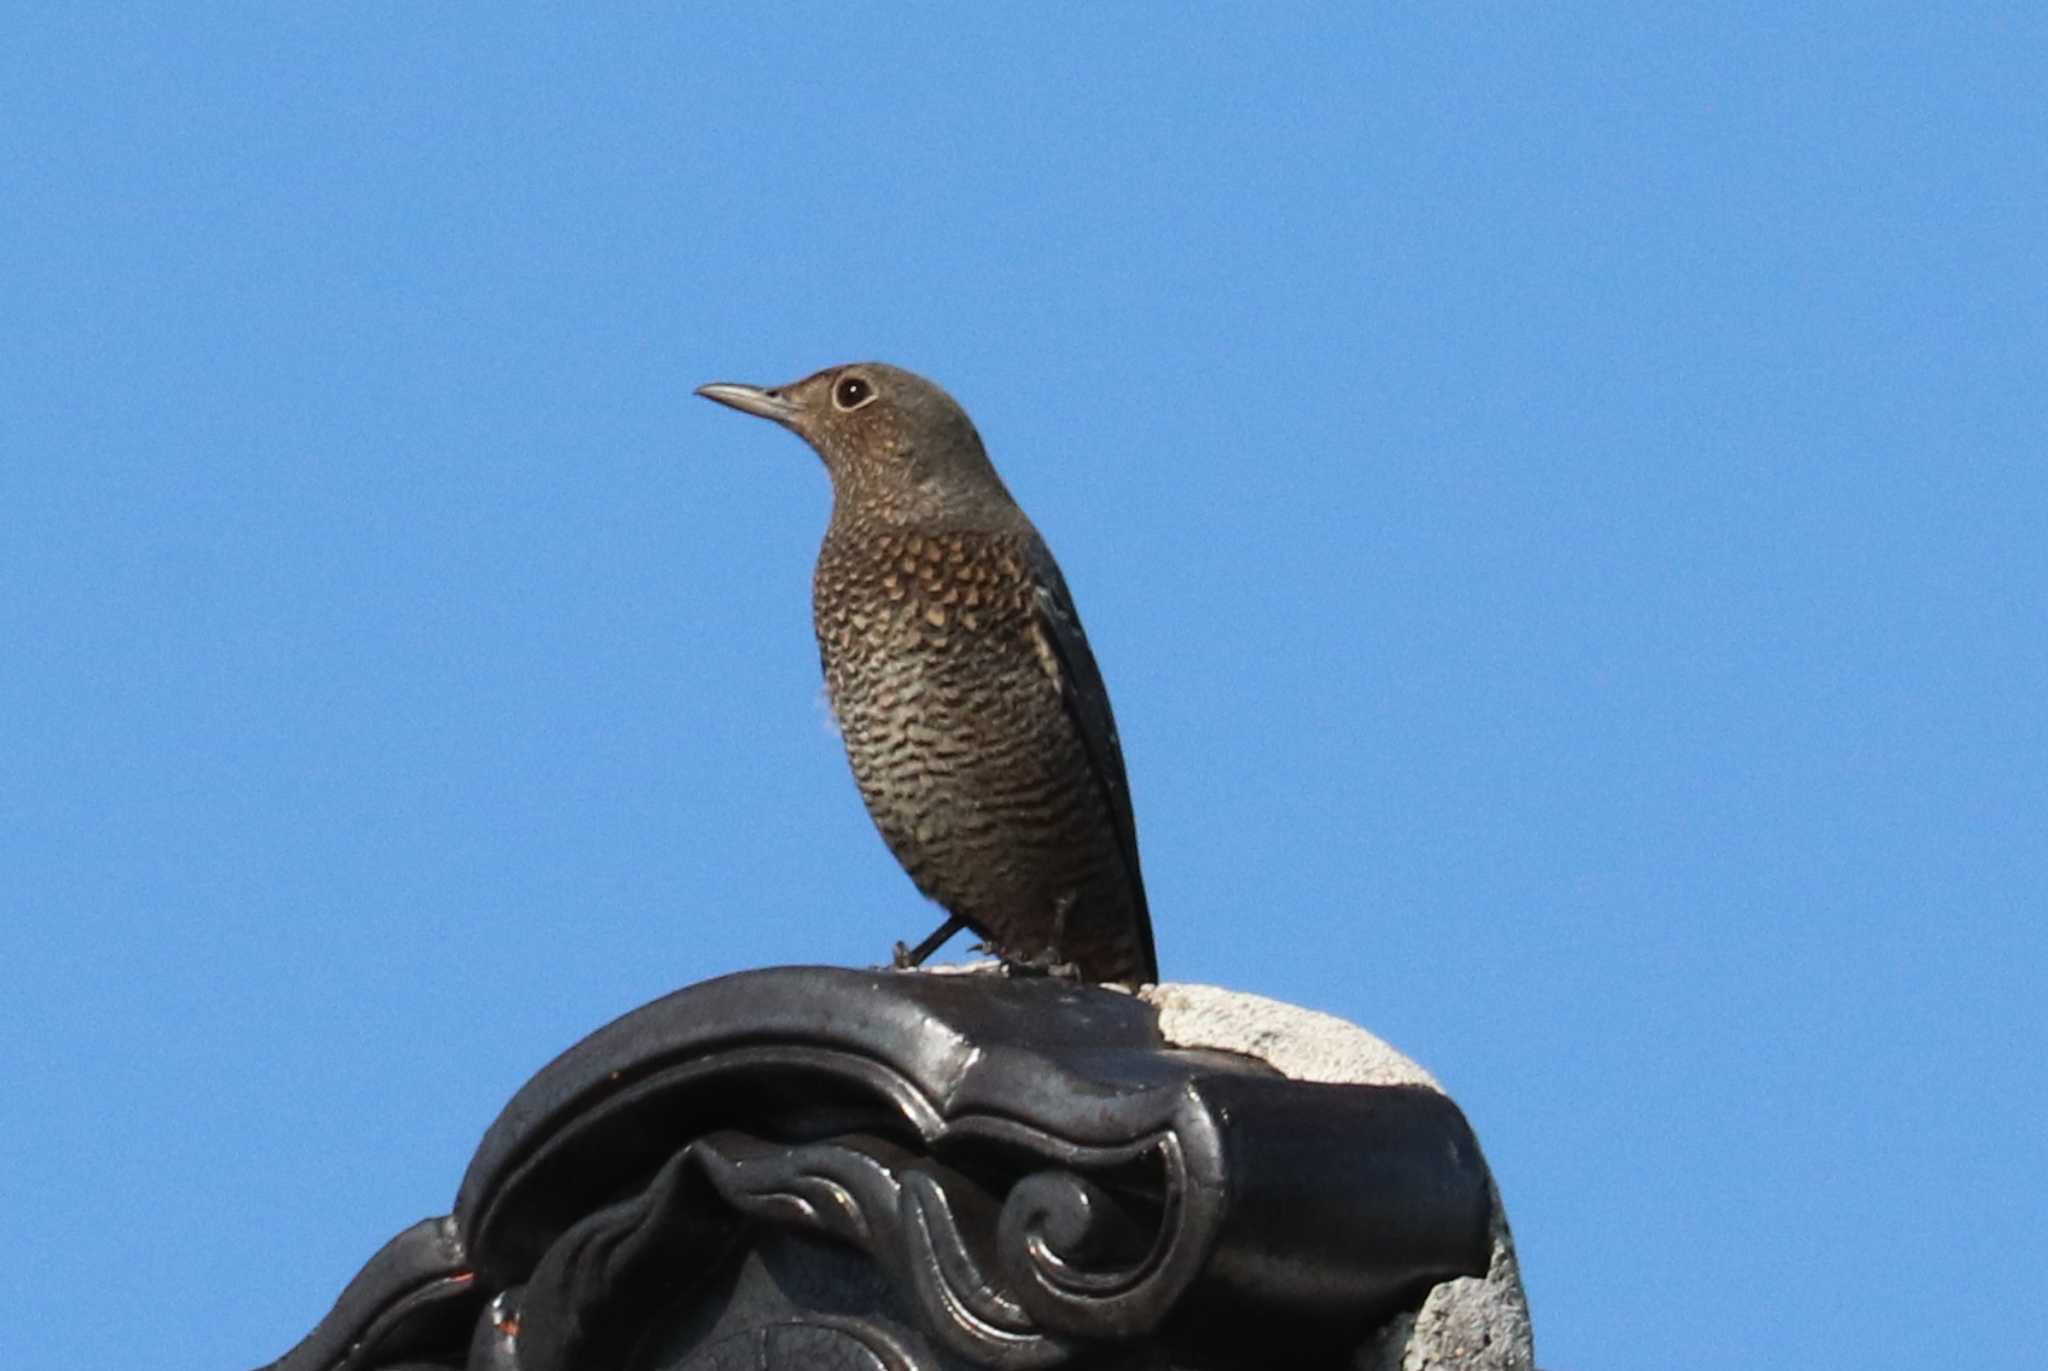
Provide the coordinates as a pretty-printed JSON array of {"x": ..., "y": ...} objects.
[{"x": 1558, "y": 497}]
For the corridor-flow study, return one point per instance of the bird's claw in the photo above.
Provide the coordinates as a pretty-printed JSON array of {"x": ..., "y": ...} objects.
[{"x": 1041, "y": 964}]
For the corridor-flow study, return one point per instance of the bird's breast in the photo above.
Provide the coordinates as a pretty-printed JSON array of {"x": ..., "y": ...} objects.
[
  {"x": 930, "y": 657},
  {"x": 881, "y": 596}
]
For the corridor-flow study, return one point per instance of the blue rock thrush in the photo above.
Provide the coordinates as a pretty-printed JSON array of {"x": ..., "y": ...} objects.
[{"x": 971, "y": 707}]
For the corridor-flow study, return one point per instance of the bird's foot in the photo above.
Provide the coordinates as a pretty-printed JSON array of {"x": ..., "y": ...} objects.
[
  {"x": 1045, "y": 963},
  {"x": 907, "y": 958}
]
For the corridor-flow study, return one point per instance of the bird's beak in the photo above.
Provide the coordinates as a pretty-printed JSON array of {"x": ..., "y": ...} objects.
[{"x": 765, "y": 404}]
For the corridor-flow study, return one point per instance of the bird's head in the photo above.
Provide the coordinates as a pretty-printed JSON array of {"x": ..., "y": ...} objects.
[{"x": 896, "y": 445}]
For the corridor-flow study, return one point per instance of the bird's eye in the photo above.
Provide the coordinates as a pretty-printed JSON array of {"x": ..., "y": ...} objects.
[{"x": 852, "y": 392}]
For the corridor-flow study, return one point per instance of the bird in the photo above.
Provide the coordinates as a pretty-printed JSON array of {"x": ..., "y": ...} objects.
[{"x": 974, "y": 715}]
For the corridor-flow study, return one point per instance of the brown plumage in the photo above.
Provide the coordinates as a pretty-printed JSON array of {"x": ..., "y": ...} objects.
[{"x": 973, "y": 712}]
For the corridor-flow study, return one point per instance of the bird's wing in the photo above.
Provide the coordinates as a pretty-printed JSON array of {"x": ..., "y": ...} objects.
[{"x": 1087, "y": 704}]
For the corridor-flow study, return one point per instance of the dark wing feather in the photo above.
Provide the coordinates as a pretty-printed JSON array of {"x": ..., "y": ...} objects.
[{"x": 1087, "y": 704}]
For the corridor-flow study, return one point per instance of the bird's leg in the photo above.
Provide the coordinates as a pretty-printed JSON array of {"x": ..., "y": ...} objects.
[
  {"x": 1064, "y": 968},
  {"x": 1049, "y": 962},
  {"x": 908, "y": 957}
]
